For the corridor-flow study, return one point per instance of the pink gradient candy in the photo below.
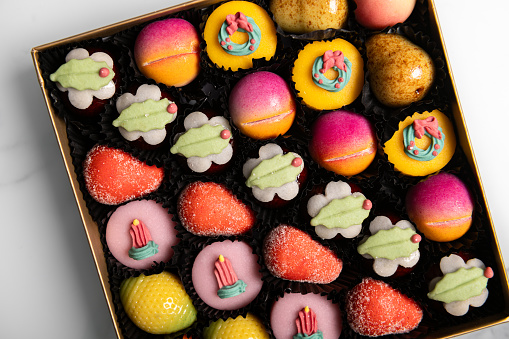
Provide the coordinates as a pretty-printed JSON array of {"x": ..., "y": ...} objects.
[
  {"x": 343, "y": 142},
  {"x": 441, "y": 207},
  {"x": 168, "y": 51},
  {"x": 262, "y": 106},
  {"x": 286, "y": 309},
  {"x": 245, "y": 265},
  {"x": 158, "y": 222},
  {"x": 378, "y": 14}
]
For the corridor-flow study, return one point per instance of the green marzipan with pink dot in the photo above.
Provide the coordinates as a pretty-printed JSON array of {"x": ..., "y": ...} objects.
[{"x": 83, "y": 74}]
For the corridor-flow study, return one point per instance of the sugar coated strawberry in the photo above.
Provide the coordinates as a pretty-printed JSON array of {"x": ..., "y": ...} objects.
[
  {"x": 292, "y": 254},
  {"x": 374, "y": 309},
  {"x": 248, "y": 327},
  {"x": 113, "y": 176},
  {"x": 157, "y": 303},
  {"x": 211, "y": 209}
]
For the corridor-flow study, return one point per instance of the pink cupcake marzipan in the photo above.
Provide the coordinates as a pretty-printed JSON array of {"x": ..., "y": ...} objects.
[
  {"x": 140, "y": 233},
  {"x": 226, "y": 275}
]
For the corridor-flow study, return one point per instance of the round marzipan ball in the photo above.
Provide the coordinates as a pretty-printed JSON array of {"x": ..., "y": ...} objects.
[
  {"x": 168, "y": 51},
  {"x": 378, "y": 14},
  {"x": 343, "y": 142},
  {"x": 262, "y": 106},
  {"x": 441, "y": 207}
]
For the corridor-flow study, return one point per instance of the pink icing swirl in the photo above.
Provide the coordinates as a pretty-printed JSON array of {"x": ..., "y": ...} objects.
[
  {"x": 306, "y": 322},
  {"x": 224, "y": 272},
  {"x": 430, "y": 125},
  {"x": 237, "y": 21},
  {"x": 140, "y": 234},
  {"x": 331, "y": 59}
]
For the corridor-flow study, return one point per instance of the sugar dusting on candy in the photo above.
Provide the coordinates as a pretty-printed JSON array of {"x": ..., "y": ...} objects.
[
  {"x": 374, "y": 309},
  {"x": 113, "y": 176},
  {"x": 293, "y": 255},
  {"x": 210, "y": 209}
]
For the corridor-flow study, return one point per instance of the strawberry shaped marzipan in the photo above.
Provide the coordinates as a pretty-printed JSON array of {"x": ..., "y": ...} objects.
[
  {"x": 374, "y": 308},
  {"x": 113, "y": 176},
  {"x": 210, "y": 209},
  {"x": 292, "y": 254}
]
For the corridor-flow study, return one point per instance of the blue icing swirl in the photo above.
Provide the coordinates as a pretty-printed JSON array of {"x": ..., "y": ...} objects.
[
  {"x": 338, "y": 83},
  {"x": 317, "y": 335},
  {"x": 249, "y": 47},
  {"x": 415, "y": 152},
  {"x": 144, "y": 252},
  {"x": 232, "y": 290}
]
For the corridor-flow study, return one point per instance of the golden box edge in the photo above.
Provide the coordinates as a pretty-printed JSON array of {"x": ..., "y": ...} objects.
[{"x": 90, "y": 226}]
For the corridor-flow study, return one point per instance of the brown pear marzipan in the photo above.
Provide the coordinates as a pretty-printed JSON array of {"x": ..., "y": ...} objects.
[{"x": 400, "y": 72}]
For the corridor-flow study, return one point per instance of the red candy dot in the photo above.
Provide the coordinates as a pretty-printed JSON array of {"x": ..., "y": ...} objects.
[
  {"x": 437, "y": 146},
  {"x": 104, "y": 72},
  {"x": 253, "y": 41},
  {"x": 228, "y": 39},
  {"x": 316, "y": 75},
  {"x": 223, "y": 43},
  {"x": 435, "y": 153},
  {"x": 409, "y": 147},
  {"x": 341, "y": 79},
  {"x": 412, "y": 143},
  {"x": 251, "y": 48},
  {"x": 297, "y": 162},
  {"x": 322, "y": 70},
  {"x": 488, "y": 272},
  {"x": 225, "y": 134},
  {"x": 416, "y": 238},
  {"x": 172, "y": 108},
  {"x": 336, "y": 85},
  {"x": 367, "y": 204},
  {"x": 230, "y": 47},
  {"x": 416, "y": 152},
  {"x": 320, "y": 81}
]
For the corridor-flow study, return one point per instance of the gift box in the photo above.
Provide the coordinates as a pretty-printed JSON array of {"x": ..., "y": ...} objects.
[{"x": 71, "y": 132}]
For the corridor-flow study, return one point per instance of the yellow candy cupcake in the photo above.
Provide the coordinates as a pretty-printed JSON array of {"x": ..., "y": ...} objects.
[
  {"x": 328, "y": 74},
  {"x": 423, "y": 144},
  {"x": 238, "y": 32}
]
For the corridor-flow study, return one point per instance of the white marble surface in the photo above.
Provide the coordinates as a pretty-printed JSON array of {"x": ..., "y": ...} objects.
[{"x": 49, "y": 287}]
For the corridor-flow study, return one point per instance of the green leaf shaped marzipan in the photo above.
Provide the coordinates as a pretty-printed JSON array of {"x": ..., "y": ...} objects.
[
  {"x": 201, "y": 142},
  {"x": 390, "y": 244},
  {"x": 460, "y": 285},
  {"x": 145, "y": 116},
  {"x": 342, "y": 213},
  {"x": 82, "y": 74},
  {"x": 274, "y": 172}
]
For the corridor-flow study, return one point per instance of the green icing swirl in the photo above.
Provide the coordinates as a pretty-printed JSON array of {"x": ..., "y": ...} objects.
[
  {"x": 145, "y": 116},
  {"x": 201, "y": 142},
  {"x": 82, "y": 74},
  {"x": 460, "y": 285},
  {"x": 342, "y": 213},
  {"x": 328, "y": 84},
  {"x": 317, "y": 335},
  {"x": 390, "y": 244},
  {"x": 144, "y": 252},
  {"x": 232, "y": 290},
  {"x": 274, "y": 172}
]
